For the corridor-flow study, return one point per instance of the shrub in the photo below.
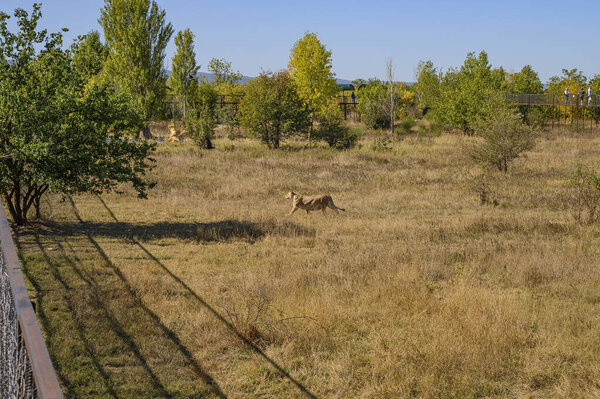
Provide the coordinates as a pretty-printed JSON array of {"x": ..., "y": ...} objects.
[
  {"x": 372, "y": 105},
  {"x": 332, "y": 129},
  {"x": 201, "y": 119},
  {"x": 229, "y": 118},
  {"x": 200, "y": 124},
  {"x": 436, "y": 128},
  {"x": 503, "y": 139},
  {"x": 340, "y": 137},
  {"x": 406, "y": 125},
  {"x": 272, "y": 108},
  {"x": 486, "y": 185},
  {"x": 535, "y": 117},
  {"x": 585, "y": 194},
  {"x": 249, "y": 314},
  {"x": 382, "y": 145}
]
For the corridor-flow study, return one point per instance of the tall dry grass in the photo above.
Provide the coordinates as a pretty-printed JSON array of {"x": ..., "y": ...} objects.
[{"x": 207, "y": 289}]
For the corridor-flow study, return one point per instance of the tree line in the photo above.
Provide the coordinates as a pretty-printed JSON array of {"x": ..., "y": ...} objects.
[
  {"x": 67, "y": 113},
  {"x": 460, "y": 96}
]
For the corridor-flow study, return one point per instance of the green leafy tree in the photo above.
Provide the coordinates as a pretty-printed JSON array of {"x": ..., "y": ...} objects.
[
  {"x": 227, "y": 84},
  {"x": 202, "y": 118},
  {"x": 573, "y": 79},
  {"x": 332, "y": 129},
  {"x": 223, "y": 72},
  {"x": 594, "y": 83},
  {"x": 358, "y": 82},
  {"x": 372, "y": 100},
  {"x": 525, "y": 81},
  {"x": 137, "y": 34},
  {"x": 427, "y": 88},
  {"x": 465, "y": 93},
  {"x": 272, "y": 108},
  {"x": 184, "y": 80},
  {"x": 310, "y": 68},
  {"x": 54, "y": 135},
  {"x": 89, "y": 56}
]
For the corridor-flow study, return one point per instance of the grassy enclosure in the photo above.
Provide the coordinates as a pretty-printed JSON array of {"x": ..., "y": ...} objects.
[{"x": 207, "y": 289}]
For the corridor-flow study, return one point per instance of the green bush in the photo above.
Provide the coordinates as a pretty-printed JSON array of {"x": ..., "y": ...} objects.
[
  {"x": 341, "y": 138},
  {"x": 535, "y": 117},
  {"x": 272, "y": 108},
  {"x": 382, "y": 145},
  {"x": 229, "y": 117},
  {"x": 503, "y": 138},
  {"x": 201, "y": 119},
  {"x": 436, "y": 128},
  {"x": 372, "y": 105},
  {"x": 333, "y": 131},
  {"x": 200, "y": 125},
  {"x": 406, "y": 125}
]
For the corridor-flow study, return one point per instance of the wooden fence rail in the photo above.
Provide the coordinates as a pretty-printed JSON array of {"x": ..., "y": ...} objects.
[{"x": 26, "y": 370}]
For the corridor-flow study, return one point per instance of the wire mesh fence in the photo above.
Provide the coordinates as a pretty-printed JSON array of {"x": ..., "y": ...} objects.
[
  {"x": 25, "y": 367},
  {"x": 16, "y": 378}
]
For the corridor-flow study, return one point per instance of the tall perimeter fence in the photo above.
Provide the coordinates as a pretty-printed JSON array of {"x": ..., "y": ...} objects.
[
  {"x": 574, "y": 110},
  {"x": 557, "y": 108},
  {"x": 26, "y": 370}
]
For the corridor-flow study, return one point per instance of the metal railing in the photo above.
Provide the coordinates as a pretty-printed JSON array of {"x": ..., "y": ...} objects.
[
  {"x": 25, "y": 367},
  {"x": 572, "y": 100}
]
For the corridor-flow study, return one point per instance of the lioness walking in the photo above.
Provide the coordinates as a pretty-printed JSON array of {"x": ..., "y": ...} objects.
[{"x": 311, "y": 202}]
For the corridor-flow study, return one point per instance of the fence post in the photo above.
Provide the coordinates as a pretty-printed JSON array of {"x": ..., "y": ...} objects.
[{"x": 552, "y": 111}]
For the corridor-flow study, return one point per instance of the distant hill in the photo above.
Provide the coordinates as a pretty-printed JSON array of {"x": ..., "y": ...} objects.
[
  {"x": 245, "y": 79},
  {"x": 211, "y": 76}
]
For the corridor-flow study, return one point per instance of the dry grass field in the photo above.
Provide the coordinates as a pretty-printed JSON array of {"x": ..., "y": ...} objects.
[{"x": 207, "y": 289}]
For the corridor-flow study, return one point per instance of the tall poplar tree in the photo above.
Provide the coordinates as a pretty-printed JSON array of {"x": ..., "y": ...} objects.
[
  {"x": 184, "y": 81},
  {"x": 310, "y": 69},
  {"x": 137, "y": 34}
]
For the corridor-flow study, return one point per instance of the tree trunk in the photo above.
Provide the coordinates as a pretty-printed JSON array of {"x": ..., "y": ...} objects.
[
  {"x": 36, "y": 204},
  {"x": 19, "y": 202},
  {"x": 390, "y": 75},
  {"x": 16, "y": 215},
  {"x": 310, "y": 128},
  {"x": 146, "y": 130}
]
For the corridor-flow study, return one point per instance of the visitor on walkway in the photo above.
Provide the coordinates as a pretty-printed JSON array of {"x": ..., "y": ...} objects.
[
  {"x": 353, "y": 97},
  {"x": 589, "y": 95},
  {"x": 566, "y": 96},
  {"x": 581, "y": 96}
]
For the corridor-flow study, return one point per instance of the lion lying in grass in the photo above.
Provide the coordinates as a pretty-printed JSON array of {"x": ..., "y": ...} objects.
[{"x": 311, "y": 202}]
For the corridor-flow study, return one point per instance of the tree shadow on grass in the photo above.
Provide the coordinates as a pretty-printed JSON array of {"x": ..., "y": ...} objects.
[
  {"x": 71, "y": 294},
  {"x": 282, "y": 229},
  {"x": 134, "y": 233},
  {"x": 221, "y": 231}
]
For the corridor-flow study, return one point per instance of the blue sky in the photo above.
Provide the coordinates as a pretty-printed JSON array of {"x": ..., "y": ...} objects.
[{"x": 254, "y": 35}]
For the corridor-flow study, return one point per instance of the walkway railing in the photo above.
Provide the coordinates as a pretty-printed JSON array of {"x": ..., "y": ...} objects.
[
  {"x": 25, "y": 367},
  {"x": 572, "y": 100}
]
